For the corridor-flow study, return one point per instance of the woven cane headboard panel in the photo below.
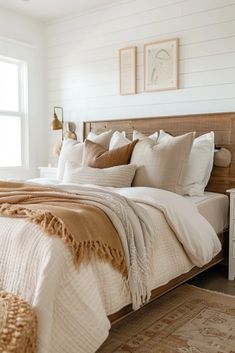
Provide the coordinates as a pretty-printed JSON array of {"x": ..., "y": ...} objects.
[{"x": 223, "y": 124}]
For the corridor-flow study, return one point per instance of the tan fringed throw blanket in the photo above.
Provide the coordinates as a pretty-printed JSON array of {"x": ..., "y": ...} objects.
[{"x": 85, "y": 229}]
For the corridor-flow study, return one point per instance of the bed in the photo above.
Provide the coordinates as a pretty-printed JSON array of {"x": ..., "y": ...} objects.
[
  {"x": 222, "y": 179},
  {"x": 72, "y": 306}
]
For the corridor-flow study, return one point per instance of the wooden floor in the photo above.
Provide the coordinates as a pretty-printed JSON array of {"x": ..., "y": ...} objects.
[{"x": 216, "y": 278}]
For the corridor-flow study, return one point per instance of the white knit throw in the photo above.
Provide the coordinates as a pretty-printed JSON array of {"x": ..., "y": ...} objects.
[{"x": 135, "y": 229}]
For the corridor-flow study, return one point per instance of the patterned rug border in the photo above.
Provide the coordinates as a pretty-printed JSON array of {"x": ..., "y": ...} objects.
[
  {"x": 188, "y": 319},
  {"x": 210, "y": 291}
]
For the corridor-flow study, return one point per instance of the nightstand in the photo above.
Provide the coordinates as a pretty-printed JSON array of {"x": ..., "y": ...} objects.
[
  {"x": 231, "y": 269},
  {"x": 48, "y": 172}
]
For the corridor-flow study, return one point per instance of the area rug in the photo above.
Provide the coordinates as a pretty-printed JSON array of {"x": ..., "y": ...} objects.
[{"x": 186, "y": 320}]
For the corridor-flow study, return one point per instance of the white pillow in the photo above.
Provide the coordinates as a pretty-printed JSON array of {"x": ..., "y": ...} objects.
[
  {"x": 139, "y": 136},
  {"x": 199, "y": 165},
  {"x": 118, "y": 139},
  {"x": 72, "y": 150},
  {"x": 119, "y": 176}
]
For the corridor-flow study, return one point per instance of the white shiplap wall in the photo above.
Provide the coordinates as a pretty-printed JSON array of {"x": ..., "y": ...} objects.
[{"x": 83, "y": 58}]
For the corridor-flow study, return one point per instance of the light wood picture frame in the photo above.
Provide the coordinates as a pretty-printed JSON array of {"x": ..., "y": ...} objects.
[
  {"x": 161, "y": 65},
  {"x": 127, "y": 70}
]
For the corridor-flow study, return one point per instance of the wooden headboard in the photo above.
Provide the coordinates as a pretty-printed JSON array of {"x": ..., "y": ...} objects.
[{"x": 223, "y": 124}]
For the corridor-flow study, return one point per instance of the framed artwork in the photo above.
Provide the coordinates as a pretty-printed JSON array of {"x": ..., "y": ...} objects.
[
  {"x": 161, "y": 65},
  {"x": 127, "y": 70}
]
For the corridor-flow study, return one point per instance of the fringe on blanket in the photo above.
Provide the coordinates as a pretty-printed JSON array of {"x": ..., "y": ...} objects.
[{"x": 83, "y": 252}]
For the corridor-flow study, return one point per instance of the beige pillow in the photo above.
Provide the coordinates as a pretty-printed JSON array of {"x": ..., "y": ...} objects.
[
  {"x": 118, "y": 177},
  {"x": 199, "y": 165},
  {"x": 73, "y": 150},
  {"x": 139, "y": 136},
  {"x": 162, "y": 165},
  {"x": 96, "y": 156},
  {"x": 102, "y": 139}
]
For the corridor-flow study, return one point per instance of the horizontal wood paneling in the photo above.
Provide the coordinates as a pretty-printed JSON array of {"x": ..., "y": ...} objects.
[
  {"x": 174, "y": 14},
  {"x": 154, "y": 31},
  {"x": 213, "y": 77},
  {"x": 109, "y": 14},
  {"x": 200, "y": 35},
  {"x": 82, "y": 59}
]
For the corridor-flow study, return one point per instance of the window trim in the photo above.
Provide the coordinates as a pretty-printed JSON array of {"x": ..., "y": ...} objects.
[{"x": 22, "y": 112}]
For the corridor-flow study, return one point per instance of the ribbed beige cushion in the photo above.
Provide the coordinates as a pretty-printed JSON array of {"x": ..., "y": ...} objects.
[
  {"x": 162, "y": 165},
  {"x": 200, "y": 163},
  {"x": 96, "y": 156},
  {"x": 120, "y": 176}
]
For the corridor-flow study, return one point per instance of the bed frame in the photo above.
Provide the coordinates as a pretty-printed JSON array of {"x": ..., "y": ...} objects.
[{"x": 222, "y": 179}]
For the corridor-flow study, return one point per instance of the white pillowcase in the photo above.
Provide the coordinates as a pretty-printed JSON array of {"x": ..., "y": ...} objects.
[
  {"x": 119, "y": 176},
  {"x": 72, "y": 150},
  {"x": 139, "y": 136},
  {"x": 199, "y": 165},
  {"x": 118, "y": 139}
]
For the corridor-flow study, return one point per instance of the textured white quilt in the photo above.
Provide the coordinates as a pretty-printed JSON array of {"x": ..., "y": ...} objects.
[{"x": 72, "y": 306}]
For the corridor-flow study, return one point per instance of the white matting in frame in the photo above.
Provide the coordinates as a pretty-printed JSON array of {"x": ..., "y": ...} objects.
[
  {"x": 161, "y": 62},
  {"x": 127, "y": 70}
]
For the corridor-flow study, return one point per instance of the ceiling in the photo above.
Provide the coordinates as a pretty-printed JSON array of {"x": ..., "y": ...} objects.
[{"x": 46, "y": 10}]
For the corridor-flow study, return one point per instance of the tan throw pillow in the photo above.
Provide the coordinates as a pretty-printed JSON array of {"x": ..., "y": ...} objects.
[
  {"x": 162, "y": 165},
  {"x": 96, "y": 156},
  {"x": 73, "y": 150}
]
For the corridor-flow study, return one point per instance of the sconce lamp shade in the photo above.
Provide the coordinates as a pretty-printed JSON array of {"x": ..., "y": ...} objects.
[{"x": 56, "y": 123}]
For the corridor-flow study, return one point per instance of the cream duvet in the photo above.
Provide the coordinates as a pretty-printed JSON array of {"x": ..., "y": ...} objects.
[{"x": 71, "y": 305}]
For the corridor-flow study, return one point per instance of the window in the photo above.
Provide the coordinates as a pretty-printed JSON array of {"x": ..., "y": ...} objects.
[{"x": 13, "y": 112}]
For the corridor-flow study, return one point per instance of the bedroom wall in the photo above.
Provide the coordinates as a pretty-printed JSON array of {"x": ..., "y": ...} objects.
[
  {"x": 24, "y": 38},
  {"x": 82, "y": 63}
]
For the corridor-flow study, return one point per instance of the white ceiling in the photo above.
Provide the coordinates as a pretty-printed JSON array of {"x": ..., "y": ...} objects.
[{"x": 46, "y": 10}]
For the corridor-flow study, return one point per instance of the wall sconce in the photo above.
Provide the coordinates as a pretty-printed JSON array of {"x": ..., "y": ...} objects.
[{"x": 56, "y": 123}]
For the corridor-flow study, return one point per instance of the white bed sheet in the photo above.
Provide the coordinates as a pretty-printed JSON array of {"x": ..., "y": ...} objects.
[{"x": 214, "y": 207}]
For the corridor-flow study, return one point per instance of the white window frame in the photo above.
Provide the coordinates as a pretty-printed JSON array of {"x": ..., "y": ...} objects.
[{"x": 22, "y": 112}]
